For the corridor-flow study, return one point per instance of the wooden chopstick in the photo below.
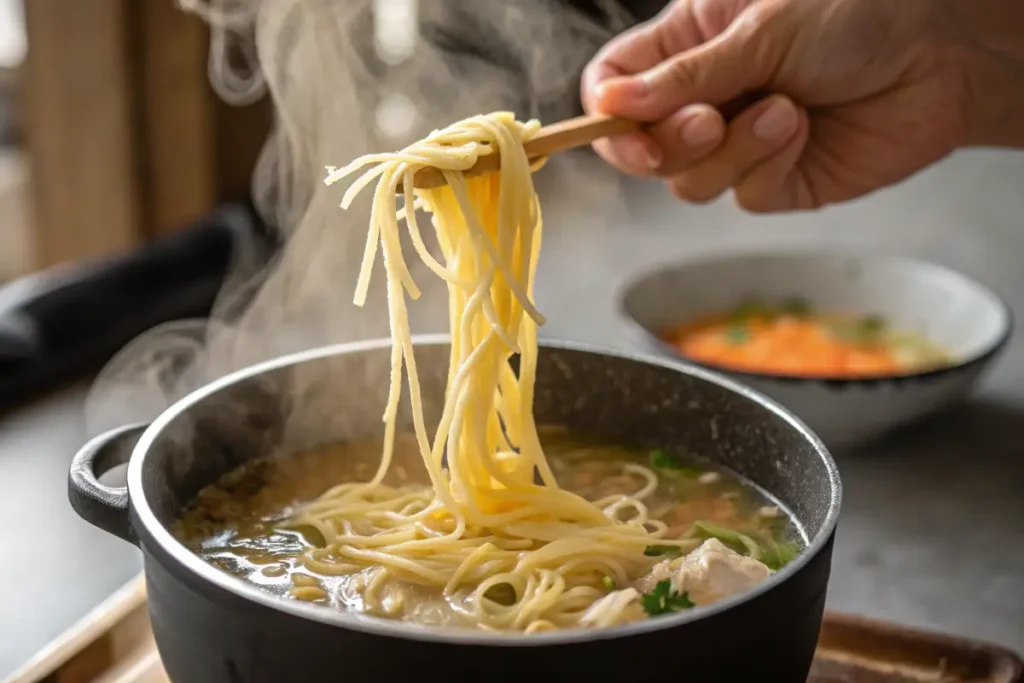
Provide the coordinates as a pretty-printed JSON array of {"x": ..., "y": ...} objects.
[{"x": 558, "y": 137}]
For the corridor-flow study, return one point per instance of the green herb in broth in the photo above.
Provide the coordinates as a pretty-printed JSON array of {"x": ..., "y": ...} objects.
[
  {"x": 693, "y": 498},
  {"x": 665, "y": 462},
  {"x": 663, "y": 600},
  {"x": 777, "y": 555}
]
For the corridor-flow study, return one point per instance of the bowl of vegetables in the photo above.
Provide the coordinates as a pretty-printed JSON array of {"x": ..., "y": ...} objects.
[{"x": 855, "y": 344}]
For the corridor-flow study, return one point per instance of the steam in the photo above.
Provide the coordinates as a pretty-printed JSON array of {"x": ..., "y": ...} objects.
[{"x": 346, "y": 77}]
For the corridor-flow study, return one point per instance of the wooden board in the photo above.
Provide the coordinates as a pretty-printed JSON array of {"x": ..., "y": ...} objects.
[{"x": 114, "y": 644}]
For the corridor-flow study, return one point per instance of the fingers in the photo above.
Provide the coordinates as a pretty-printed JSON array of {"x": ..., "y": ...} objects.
[
  {"x": 635, "y": 153},
  {"x": 735, "y": 61},
  {"x": 668, "y": 147},
  {"x": 755, "y": 136},
  {"x": 776, "y": 183},
  {"x": 640, "y": 48},
  {"x": 687, "y": 137}
]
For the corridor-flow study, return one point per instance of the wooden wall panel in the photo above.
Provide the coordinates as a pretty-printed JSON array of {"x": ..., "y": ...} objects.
[
  {"x": 81, "y": 129},
  {"x": 126, "y": 137}
]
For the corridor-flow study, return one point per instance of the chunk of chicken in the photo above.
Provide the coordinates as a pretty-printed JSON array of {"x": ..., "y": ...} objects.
[{"x": 709, "y": 574}]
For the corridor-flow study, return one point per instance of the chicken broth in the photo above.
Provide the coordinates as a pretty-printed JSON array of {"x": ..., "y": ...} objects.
[{"x": 236, "y": 525}]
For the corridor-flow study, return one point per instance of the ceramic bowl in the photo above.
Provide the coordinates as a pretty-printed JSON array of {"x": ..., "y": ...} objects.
[{"x": 962, "y": 316}]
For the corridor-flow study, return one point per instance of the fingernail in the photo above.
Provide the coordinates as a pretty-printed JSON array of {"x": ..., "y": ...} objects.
[
  {"x": 645, "y": 157},
  {"x": 622, "y": 87},
  {"x": 700, "y": 130},
  {"x": 777, "y": 122}
]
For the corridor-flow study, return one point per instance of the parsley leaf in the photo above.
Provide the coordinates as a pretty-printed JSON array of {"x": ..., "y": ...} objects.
[
  {"x": 659, "y": 550},
  {"x": 737, "y": 334},
  {"x": 663, "y": 461},
  {"x": 663, "y": 600}
]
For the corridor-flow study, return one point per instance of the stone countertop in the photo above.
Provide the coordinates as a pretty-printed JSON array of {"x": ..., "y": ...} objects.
[{"x": 932, "y": 532}]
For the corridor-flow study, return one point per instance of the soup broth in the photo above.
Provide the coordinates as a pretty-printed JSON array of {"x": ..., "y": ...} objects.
[{"x": 236, "y": 524}]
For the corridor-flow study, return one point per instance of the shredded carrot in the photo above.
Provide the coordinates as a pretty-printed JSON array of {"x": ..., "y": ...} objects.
[{"x": 787, "y": 345}]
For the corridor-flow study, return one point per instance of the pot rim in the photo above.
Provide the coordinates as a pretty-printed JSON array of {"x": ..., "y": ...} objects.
[{"x": 157, "y": 533}]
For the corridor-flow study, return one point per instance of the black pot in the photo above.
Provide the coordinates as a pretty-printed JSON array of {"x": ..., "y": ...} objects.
[{"x": 211, "y": 626}]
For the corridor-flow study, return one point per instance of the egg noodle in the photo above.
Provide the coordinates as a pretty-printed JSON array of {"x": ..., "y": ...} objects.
[{"x": 486, "y": 520}]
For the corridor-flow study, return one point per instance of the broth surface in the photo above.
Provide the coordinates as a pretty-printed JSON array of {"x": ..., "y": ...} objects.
[{"x": 235, "y": 523}]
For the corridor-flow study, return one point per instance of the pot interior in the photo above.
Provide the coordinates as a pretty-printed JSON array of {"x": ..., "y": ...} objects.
[{"x": 337, "y": 395}]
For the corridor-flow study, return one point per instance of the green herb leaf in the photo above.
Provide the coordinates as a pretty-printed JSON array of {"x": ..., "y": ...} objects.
[
  {"x": 659, "y": 550},
  {"x": 737, "y": 333},
  {"x": 663, "y": 461},
  {"x": 608, "y": 582},
  {"x": 663, "y": 600},
  {"x": 796, "y": 307}
]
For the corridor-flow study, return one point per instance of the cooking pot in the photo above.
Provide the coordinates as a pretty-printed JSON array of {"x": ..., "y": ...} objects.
[{"x": 213, "y": 627}]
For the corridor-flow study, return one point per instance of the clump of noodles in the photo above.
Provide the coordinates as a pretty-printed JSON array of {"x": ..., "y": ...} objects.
[{"x": 485, "y": 523}]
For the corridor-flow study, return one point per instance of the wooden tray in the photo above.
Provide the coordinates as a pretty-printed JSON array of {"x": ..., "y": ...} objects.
[{"x": 114, "y": 644}]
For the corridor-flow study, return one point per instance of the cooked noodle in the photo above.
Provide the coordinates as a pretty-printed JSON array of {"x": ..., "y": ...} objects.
[{"x": 485, "y": 521}]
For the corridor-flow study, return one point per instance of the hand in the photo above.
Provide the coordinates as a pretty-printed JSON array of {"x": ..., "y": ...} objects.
[{"x": 863, "y": 96}]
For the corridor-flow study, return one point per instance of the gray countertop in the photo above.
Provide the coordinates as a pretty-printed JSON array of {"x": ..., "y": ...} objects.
[{"x": 932, "y": 532}]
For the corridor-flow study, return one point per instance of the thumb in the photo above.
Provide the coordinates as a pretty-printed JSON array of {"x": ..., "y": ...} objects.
[{"x": 714, "y": 73}]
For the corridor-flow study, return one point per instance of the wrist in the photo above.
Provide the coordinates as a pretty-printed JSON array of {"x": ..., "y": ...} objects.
[{"x": 985, "y": 41}]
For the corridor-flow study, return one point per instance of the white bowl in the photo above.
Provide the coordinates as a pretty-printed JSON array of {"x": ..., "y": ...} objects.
[{"x": 960, "y": 315}]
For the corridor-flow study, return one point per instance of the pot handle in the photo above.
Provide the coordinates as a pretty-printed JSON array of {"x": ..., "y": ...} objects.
[{"x": 103, "y": 506}]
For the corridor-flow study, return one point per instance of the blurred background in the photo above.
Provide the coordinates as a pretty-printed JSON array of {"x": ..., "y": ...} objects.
[{"x": 125, "y": 195}]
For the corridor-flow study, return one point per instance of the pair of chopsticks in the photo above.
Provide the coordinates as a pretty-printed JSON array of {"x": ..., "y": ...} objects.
[{"x": 558, "y": 137}]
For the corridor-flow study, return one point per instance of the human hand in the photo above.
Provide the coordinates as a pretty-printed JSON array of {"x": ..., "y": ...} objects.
[{"x": 863, "y": 95}]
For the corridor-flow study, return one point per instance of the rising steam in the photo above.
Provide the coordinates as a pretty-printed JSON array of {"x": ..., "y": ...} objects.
[{"x": 346, "y": 77}]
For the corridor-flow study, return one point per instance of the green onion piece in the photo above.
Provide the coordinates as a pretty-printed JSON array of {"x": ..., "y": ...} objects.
[
  {"x": 737, "y": 333},
  {"x": 663, "y": 600},
  {"x": 660, "y": 550},
  {"x": 663, "y": 461},
  {"x": 778, "y": 555},
  {"x": 608, "y": 582},
  {"x": 739, "y": 542}
]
